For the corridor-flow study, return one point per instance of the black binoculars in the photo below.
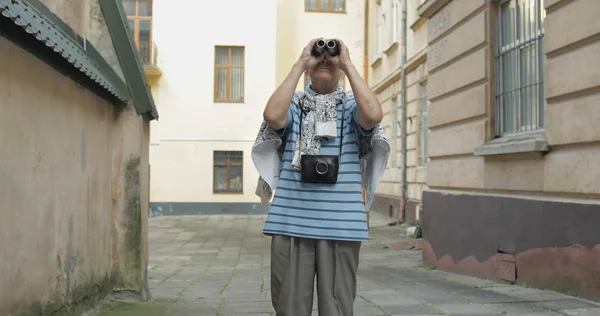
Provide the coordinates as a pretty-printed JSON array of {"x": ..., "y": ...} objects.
[{"x": 323, "y": 44}]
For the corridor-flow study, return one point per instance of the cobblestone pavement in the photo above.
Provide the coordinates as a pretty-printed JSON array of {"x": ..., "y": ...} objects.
[{"x": 219, "y": 265}]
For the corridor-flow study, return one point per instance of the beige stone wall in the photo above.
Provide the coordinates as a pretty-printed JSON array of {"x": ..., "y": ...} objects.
[
  {"x": 74, "y": 183},
  {"x": 390, "y": 183},
  {"x": 572, "y": 84},
  {"x": 461, "y": 80},
  {"x": 385, "y": 80}
]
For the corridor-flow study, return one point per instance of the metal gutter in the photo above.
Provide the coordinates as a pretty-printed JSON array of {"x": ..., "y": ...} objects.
[
  {"x": 116, "y": 21},
  {"x": 366, "y": 45},
  {"x": 50, "y": 39},
  {"x": 403, "y": 184}
]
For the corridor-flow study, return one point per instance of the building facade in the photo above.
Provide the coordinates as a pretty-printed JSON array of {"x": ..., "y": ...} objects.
[
  {"x": 211, "y": 93},
  {"x": 387, "y": 59},
  {"x": 512, "y": 183},
  {"x": 74, "y": 147}
]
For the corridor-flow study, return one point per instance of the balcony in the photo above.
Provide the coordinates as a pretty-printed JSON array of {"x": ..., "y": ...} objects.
[{"x": 149, "y": 55}]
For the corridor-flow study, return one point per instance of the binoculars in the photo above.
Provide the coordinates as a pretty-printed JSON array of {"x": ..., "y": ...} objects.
[{"x": 323, "y": 44}]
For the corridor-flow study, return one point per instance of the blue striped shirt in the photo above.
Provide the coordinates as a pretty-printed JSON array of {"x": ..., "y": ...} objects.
[{"x": 321, "y": 211}]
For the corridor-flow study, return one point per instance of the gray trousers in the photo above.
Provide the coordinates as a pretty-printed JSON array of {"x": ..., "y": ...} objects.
[{"x": 294, "y": 264}]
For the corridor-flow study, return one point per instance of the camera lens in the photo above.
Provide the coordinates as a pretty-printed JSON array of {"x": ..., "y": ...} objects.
[{"x": 321, "y": 168}]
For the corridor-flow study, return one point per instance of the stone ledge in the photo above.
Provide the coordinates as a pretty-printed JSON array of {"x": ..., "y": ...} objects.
[
  {"x": 430, "y": 7},
  {"x": 376, "y": 62},
  {"x": 519, "y": 143},
  {"x": 392, "y": 48}
]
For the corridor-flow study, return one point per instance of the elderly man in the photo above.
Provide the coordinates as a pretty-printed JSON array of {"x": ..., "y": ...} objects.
[{"x": 310, "y": 149}]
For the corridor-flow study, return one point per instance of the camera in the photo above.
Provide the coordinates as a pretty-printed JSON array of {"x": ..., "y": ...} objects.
[
  {"x": 319, "y": 168},
  {"x": 324, "y": 44}
]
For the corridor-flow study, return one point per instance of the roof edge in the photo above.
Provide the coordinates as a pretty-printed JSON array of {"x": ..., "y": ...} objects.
[
  {"x": 114, "y": 15},
  {"x": 61, "y": 46}
]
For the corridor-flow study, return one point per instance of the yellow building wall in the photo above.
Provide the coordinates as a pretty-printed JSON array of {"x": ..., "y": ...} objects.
[{"x": 191, "y": 124}]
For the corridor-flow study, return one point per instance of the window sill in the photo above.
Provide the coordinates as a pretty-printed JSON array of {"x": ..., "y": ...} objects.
[
  {"x": 228, "y": 192},
  {"x": 514, "y": 144},
  {"x": 228, "y": 101},
  {"x": 418, "y": 23},
  {"x": 325, "y": 11},
  {"x": 376, "y": 62},
  {"x": 392, "y": 48}
]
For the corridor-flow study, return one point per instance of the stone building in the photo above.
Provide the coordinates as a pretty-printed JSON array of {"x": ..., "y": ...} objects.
[
  {"x": 513, "y": 183},
  {"x": 388, "y": 59},
  {"x": 74, "y": 142}
]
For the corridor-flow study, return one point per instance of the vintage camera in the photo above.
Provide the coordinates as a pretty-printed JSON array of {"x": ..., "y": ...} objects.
[
  {"x": 319, "y": 168},
  {"x": 324, "y": 44}
]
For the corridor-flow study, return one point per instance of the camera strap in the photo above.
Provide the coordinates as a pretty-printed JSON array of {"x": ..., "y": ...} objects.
[{"x": 302, "y": 113}]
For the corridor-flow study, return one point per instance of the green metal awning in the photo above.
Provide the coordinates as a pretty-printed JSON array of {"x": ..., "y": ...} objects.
[
  {"x": 36, "y": 22},
  {"x": 30, "y": 24}
]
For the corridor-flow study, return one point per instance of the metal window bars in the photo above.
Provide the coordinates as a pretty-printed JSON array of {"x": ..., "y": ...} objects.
[{"x": 519, "y": 67}]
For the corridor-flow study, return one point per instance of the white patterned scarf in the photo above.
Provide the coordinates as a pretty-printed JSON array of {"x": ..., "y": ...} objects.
[
  {"x": 320, "y": 122},
  {"x": 267, "y": 154}
]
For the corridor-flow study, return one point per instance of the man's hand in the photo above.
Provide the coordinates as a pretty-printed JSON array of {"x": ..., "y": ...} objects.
[
  {"x": 342, "y": 61},
  {"x": 275, "y": 113},
  {"x": 307, "y": 60}
]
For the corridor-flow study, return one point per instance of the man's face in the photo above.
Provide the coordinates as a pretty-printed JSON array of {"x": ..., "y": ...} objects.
[{"x": 324, "y": 72}]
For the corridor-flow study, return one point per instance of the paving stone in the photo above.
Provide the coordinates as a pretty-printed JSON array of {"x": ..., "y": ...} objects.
[
  {"x": 410, "y": 309},
  {"x": 582, "y": 312},
  {"x": 566, "y": 304},
  {"x": 547, "y": 313},
  {"x": 517, "y": 308},
  {"x": 465, "y": 309}
]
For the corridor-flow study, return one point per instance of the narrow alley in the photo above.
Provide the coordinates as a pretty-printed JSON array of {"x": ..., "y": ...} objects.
[{"x": 219, "y": 265}]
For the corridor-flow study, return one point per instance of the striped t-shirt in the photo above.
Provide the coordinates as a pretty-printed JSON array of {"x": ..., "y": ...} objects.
[{"x": 321, "y": 211}]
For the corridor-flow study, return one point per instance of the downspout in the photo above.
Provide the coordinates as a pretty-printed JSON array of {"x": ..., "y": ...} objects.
[
  {"x": 403, "y": 184},
  {"x": 366, "y": 45},
  {"x": 366, "y": 78}
]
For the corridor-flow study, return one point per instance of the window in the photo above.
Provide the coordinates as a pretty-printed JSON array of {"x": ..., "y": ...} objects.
[
  {"x": 228, "y": 171},
  {"x": 519, "y": 67},
  {"x": 325, "y": 5},
  {"x": 424, "y": 125},
  {"x": 139, "y": 19},
  {"x": 307, "y": 81},
  {"x": 395, "y": 21},
  {"x": 229, "y": 74}
]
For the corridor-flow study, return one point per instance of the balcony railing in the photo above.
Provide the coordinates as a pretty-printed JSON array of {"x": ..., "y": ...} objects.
[
  {"x": 148, "y": 53},
  {"x": 149, "y": 56}
]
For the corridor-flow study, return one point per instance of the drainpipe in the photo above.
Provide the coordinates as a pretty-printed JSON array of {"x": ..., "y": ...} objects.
[
  {"x": 403, "y": 184},
  {"x": 366, "y": 44}
]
